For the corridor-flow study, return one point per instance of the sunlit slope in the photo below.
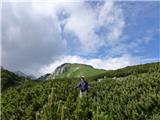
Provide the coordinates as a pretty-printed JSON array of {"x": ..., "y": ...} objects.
[{"x": 68, "y": 70}]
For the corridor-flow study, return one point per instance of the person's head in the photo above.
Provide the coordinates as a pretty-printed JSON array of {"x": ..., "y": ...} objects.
[{"x": 82, "y": 77}]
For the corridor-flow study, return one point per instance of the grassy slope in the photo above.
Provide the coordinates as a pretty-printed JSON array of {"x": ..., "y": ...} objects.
[{"x": 75, "y": 70}]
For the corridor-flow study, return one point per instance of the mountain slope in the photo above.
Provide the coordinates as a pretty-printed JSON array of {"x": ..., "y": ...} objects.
[
  {"x": 130, "y": 70},
  {"x": 133, "y": 97},
  {"x": 69, "y": 70},
  {"x": 44, "y": 77},
  {"x": 21, "y": 74},
  {"x": 9, "y": 79}
]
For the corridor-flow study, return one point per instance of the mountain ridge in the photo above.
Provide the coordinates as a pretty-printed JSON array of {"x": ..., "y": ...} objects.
[
  {"x": 22, "y": 74},
  {"x": 74, "y": 70}
]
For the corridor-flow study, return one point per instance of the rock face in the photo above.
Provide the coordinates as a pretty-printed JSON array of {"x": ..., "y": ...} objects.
[{"x": 64, "y": 68}]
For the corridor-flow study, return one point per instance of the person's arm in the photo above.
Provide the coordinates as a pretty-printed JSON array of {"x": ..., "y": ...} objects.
[{"x": 78, "y": 85}]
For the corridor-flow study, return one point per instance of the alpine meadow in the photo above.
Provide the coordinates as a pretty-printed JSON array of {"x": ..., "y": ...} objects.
[
  {"x": 80, "y": 60},
  {"x": 131, "y": 93}
]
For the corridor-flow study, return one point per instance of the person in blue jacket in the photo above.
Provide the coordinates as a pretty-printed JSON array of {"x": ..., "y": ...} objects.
[{"x": 83, "y": 86}]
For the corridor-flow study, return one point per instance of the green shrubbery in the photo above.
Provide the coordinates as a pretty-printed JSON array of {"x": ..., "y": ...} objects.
[
  {"x": 9, "y": 79},
  {"x": 133, "y": 97}
]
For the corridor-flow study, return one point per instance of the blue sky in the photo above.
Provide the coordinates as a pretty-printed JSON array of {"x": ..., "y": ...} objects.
[
  {"x": 38, "y": 36},
  {"x": 140, "y": 34},
  {"x": 143, "y": 23}
]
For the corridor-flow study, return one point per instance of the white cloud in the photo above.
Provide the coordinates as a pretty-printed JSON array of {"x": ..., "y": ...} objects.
[
  {"x": 85, "y": 20},
  {"x": 28, "y": 40},
  {"x": 81, "y": 20},
  {"x": 111, "y": 16},
  {"x": 106, "y": 63}
]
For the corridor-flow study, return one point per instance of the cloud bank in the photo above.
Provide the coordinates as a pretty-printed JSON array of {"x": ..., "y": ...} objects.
[
  {"x": 106, "y": 63},
  {"x": 28, "y": 40},
  {"x": 37, "y": 36}
]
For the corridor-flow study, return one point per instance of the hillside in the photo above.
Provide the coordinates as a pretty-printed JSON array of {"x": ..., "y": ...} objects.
[
  {"x": 9, "y": 79},
  {"x": 131, "y": 96},
  {"x": 69, "y": 70},
  {"x": 130, "y": 70}
]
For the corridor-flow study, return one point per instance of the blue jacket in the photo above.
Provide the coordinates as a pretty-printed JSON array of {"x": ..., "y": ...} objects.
[{"x": 83, "y": 85}]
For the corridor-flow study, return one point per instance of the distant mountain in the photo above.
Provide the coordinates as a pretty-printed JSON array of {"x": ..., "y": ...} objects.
[
  {"x": 69, "y": 70},
  {"x": 21, "y": 74},
  {"x": 32, "y": 77},
  {"x": 44, "y": 77}
]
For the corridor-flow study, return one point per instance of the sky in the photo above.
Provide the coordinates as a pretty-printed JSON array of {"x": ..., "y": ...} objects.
[{"x": 38, "y": 36}]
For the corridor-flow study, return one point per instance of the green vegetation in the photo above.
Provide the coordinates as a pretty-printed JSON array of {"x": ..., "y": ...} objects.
[
  {"x": 68, "y": 70},
  {"x": 9, "y": 79},
  {"x": 131, "y": 93}
]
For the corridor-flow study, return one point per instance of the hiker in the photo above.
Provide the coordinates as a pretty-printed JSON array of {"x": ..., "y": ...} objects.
[{"x": 83, "y": 85}]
